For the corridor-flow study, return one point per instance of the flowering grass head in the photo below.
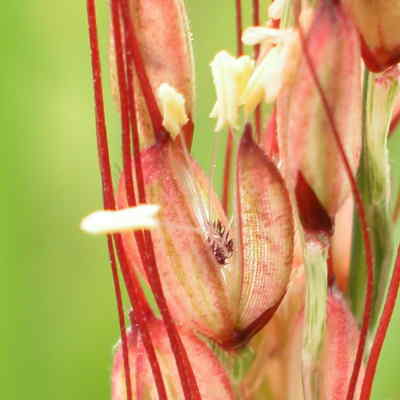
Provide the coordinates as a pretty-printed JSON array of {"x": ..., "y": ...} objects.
[{"x": 237, "y": 297}]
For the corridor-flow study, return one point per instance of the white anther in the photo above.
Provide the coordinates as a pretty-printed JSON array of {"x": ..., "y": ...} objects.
[
  {"x": 135, "y": 218},
  {"x": 230, "y": 76},
  {"x": 275, "y": 70},
  {"x": 172, "y": 105},
  {"x": 259, "y": 34}
]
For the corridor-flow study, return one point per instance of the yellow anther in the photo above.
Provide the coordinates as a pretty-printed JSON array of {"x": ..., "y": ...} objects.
[
  {"x": 230, "y": 76},
  {"x": 172, "y": 105}
]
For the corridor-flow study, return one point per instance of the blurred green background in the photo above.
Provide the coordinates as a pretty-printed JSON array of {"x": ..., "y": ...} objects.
[{"x": 58, "y": 311}]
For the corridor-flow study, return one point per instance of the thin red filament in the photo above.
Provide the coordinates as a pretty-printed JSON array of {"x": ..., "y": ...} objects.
[
  {"x": 140, "y": 69},
  {"x": 381, "y": 331},
  {"x": 143, "y": 313},
  {"x": 239, "y": 29},
  {"x": 106, "y": 178},
  {"x": 142, "y": 309},
  {"x": 369, "y": 258},
  {"x": 256, "y": 22}
]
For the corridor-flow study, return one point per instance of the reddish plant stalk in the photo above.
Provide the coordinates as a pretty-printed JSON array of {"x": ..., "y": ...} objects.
[
  {"x": 381, "y": 331},
  {"x": 142, "y": 314},
  {"x": 109, "y": 203},
  {"x": 121, "y": 318},
  {"x": 123, "y": 99},
  {"x": 140, "y": 69},
  {"x": 188, "y": 380},
  {"x": 369, "y": 258},
  {"x": 330, "y": 262},
  {"x": 256, "y": 22},
  {"x": 143, "y": 310},
  {"x": 239, "y": 28},
  {"x": 106, "y": 178}
]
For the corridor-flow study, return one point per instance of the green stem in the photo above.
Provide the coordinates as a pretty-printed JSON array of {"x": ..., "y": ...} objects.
[
  {"x": 315, "y": 317},
  {"x": 374, "y": 184}
]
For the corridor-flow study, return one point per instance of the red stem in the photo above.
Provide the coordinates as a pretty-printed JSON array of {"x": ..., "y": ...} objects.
[
  {"x": 106, "y": 178},
  {"x": 123, "y": 97},
  {"x": 381, "y": 331},
  {"x": 134, "y": 290},
  {"x": 239, "y": 44},
  {"x": 331, "y": 267},
  {"x": 188, "y": 380},
  {"x": 142, "y": 308},
  {"x": 140, "y": 69},
  {"x": 361, "y": 213},
  {"x": 256, "y": 22},
  {"x": 121, "y": 318},
  {"x": 142, "y": 314}
]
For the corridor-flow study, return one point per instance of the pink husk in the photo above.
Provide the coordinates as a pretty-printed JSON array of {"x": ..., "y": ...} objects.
[{"x": 212, "y": 379}]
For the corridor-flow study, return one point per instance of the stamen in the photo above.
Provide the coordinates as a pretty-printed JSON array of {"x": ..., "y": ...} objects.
[
  {"x": 172, "y": 105},
  {"x": 275, "y": 71},
  {"x": 230, "y": 76},
  {"x": 128, "y": 219}
]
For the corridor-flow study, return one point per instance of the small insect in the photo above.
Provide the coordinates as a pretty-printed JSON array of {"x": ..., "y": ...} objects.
[{"x": 220, "y": 242}]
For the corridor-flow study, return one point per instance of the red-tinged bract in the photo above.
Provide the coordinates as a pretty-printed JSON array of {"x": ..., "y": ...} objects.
[
  {"x": 213, "y": 381},
  {"x": 307, "y": 143},
  {"x": 225, "y": 284},
  {"x": 337, "y": 357},
  {"x": 378, "y": 22}
]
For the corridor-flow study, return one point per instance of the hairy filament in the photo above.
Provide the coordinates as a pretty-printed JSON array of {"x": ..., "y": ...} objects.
[
  {"x": 381, "y": 331},
  {"x": 361, "y": 212}
]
